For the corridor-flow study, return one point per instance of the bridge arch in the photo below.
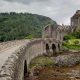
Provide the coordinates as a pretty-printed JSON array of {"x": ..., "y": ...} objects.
[
  {"x": 53, "y": 46},
  {"x": 54, "y": 49},
  {"x": 25, "y": 74},
  {"x": 47, "y": 48}
]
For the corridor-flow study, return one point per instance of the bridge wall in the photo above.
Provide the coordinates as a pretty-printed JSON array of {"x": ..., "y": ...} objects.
[{"x": 13, "y": 69}]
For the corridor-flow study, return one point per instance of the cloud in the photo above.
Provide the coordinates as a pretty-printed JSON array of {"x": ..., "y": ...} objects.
[
  {"x": 59, "y": 10},
  {"x": 26, "y": 1}
]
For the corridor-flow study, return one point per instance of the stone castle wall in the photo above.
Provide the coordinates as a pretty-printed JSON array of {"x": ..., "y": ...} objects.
[{"x": 75, "y": 20}]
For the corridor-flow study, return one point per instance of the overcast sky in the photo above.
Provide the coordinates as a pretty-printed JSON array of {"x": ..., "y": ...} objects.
[{"x": 58, "y": 10}]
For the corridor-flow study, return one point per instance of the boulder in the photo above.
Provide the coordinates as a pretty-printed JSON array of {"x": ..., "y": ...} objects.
[{"x": 68, "y": 60}]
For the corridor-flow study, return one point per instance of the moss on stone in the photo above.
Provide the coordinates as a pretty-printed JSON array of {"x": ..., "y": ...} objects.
[{"x": 41, "y": 61}]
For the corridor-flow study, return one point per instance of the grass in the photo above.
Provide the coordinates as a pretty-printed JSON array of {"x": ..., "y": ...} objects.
[
  {"x": 74, "y": 41},
  {"x": 72, "y": 44},
  {"x": 41, "y": 61}
]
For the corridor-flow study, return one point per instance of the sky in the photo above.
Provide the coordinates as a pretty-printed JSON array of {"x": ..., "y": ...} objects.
[{"x": 58, "y": 10}]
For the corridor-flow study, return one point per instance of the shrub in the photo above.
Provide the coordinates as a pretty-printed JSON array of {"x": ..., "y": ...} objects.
[
  {"x": 72, "y": 44},
  {"x": 41, "y": 61},
  {"x": 76, "y": 34},
  {"x": 68, "y": 37},
  {"x": 76, "y": 42},
  {"x": 29, "y": 37}
]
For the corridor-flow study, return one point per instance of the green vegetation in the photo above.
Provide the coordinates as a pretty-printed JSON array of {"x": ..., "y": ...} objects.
[
  {"x": 76, "y": 34},
  {"x": 22, "y": 25},
  {"x": 72, "y": 41},
  {"x": 68, "y": 37},
  {"x": 72, "y": 44},
  {"x": 41, "y": 61}
]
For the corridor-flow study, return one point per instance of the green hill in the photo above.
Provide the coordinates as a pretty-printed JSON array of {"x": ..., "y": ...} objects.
[{"x": 20, "y": 25}]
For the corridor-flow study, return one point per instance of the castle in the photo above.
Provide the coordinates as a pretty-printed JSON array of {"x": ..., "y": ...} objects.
[
  {"x": 51, "y": 34},
  {"x": 75, "y": 20}
]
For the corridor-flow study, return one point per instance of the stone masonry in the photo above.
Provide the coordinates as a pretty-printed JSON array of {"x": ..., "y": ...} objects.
[
  {"x": 14, "y": 66},
  {"x": 75, "y": 20}
]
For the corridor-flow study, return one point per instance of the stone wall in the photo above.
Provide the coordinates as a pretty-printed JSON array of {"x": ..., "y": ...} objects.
[
  {"x": 50, "y": 42},
  {"x": 13, "y": 69},
  {"x": 75, "y": 20}
]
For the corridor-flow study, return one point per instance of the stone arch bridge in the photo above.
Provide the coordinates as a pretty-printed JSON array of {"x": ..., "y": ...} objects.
[
  {"x": 14, "y": 62},
  {"x": 13, "y": 67}
]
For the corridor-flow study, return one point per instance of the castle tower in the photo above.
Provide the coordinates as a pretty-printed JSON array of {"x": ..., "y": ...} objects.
[{"x": 75, "y": 20}]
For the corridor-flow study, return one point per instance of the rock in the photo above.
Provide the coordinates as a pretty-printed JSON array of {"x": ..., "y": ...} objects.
[{"x": 68, "y": 60}]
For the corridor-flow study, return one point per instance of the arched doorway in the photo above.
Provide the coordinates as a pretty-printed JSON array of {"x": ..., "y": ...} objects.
[
  {"x": 54, "y": 49},
  {"x": 25, "y": 70},
  {"x": 59, "y": 47},
  {"x": 47, "y": 48}
]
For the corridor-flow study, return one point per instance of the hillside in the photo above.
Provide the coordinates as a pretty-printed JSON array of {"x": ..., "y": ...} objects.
[{"x": 20, "y": 25}]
